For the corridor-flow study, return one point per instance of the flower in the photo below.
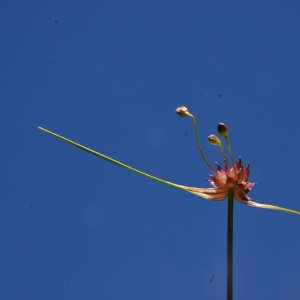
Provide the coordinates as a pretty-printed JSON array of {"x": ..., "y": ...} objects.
[
  {"x": 233, "y": 181},
  {"x": 226, "y": 179},
  {"x": 222, "y": 180}
]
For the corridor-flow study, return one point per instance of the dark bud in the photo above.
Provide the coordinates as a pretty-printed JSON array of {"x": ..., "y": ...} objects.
[{"x": 223, "y": 131}]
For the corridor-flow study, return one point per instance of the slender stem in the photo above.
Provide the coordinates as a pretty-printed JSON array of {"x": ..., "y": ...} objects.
[
  {"x": 114, "y": 161},
  {"x": 230, "y": 246},
  {"x": 224, "y": 155},
  {"x": 230, "y": 153},
  {"x": 198, "y": 144}
]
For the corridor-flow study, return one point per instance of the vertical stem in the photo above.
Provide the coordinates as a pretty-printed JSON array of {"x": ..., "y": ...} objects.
[{"x": 230, "y": 246}]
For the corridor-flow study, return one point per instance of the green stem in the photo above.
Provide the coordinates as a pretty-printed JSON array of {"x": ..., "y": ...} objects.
[
  {"x": 230, "y": 246},
  {"x": 198, "y": 144},
  {"x": 114, "y": 161}
]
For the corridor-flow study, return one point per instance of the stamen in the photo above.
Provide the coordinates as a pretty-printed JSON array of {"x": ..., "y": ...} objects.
[{"x": 183, "y": 112}]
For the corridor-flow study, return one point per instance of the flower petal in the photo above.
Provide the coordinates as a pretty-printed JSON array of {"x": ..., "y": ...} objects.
[
  {"x": 221, "y": 173},
  {"x": 238, "y": 164},
  {"x": 218, "y": 182},
  {"x": 240, "y": 195},
  {"x": 245, "y": 174},
  {"x": 227, "y": 170},
  {"x": 249, "y": 185},
  {"x": 215, "y": 194},
  {"x": 230, "y": 182}
]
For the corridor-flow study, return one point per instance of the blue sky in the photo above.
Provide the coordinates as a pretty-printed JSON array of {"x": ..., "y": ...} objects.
[{"x": 109, "y": 75}]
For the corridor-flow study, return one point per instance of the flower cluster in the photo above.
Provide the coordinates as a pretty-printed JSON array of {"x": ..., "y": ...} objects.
[{"x": 233, "y": 179}]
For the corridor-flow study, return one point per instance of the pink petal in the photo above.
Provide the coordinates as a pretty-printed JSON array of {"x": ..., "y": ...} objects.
[
  {"x": 240, "y": 173},
  {"x": 233, "y": 174},
  {"x": 245, "y": 174},
  {"x": 227, "y": 170},
  {"x": 217, "y": 181},
  {"x": 241, "y": 196},
  {"x": 238, "y": 164},
  {"x": 212, "y": 183},
  {"x": 249, "y": 185},
  {"x": 221, "y": 173},
  {"x": 230, "y": 182}
]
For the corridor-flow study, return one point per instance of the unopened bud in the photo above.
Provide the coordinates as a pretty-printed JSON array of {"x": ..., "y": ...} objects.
[
  {"x": 214, "y": 140},
  {"x": 182, "y": 111},
  {"x": 222, "y": 129}
]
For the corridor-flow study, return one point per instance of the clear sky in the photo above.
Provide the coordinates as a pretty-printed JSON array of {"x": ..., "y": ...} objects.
[{"x": 109, "y": 75}]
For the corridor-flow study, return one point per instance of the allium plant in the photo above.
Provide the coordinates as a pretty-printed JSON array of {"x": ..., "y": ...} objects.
[{"x": 228, "y": 182}]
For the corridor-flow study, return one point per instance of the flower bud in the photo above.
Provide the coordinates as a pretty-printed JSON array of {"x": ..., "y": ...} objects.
[
  {"x": 214, "y": 140},
  {"x": 222, "y": 129},
  {"x": 182, "y": 111}
]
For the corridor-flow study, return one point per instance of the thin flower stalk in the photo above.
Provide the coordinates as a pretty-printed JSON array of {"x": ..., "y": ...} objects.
[{"x": 230, "y": 246}]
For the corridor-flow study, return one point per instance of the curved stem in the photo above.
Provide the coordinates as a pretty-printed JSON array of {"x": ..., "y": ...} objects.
[
  {"x": 198, "y": 144},
  {"x": 230, "y": 246}
]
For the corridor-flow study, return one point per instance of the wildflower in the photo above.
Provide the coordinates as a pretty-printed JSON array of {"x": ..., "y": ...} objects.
[
  {"x": 225, "y": 181},
  {"x": 228, "y": 182},
  {"x": 233, "y": 179}
]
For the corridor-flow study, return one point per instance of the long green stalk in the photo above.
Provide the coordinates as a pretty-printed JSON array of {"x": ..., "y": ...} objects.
[
  {"x": 230, "y": 246},
  {"x": 113, "y": 160}
]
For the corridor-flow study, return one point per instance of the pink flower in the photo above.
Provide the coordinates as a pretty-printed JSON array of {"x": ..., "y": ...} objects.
[
  {"x": 224, "y": 180},
  {"x": 234, "y": 178}
]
